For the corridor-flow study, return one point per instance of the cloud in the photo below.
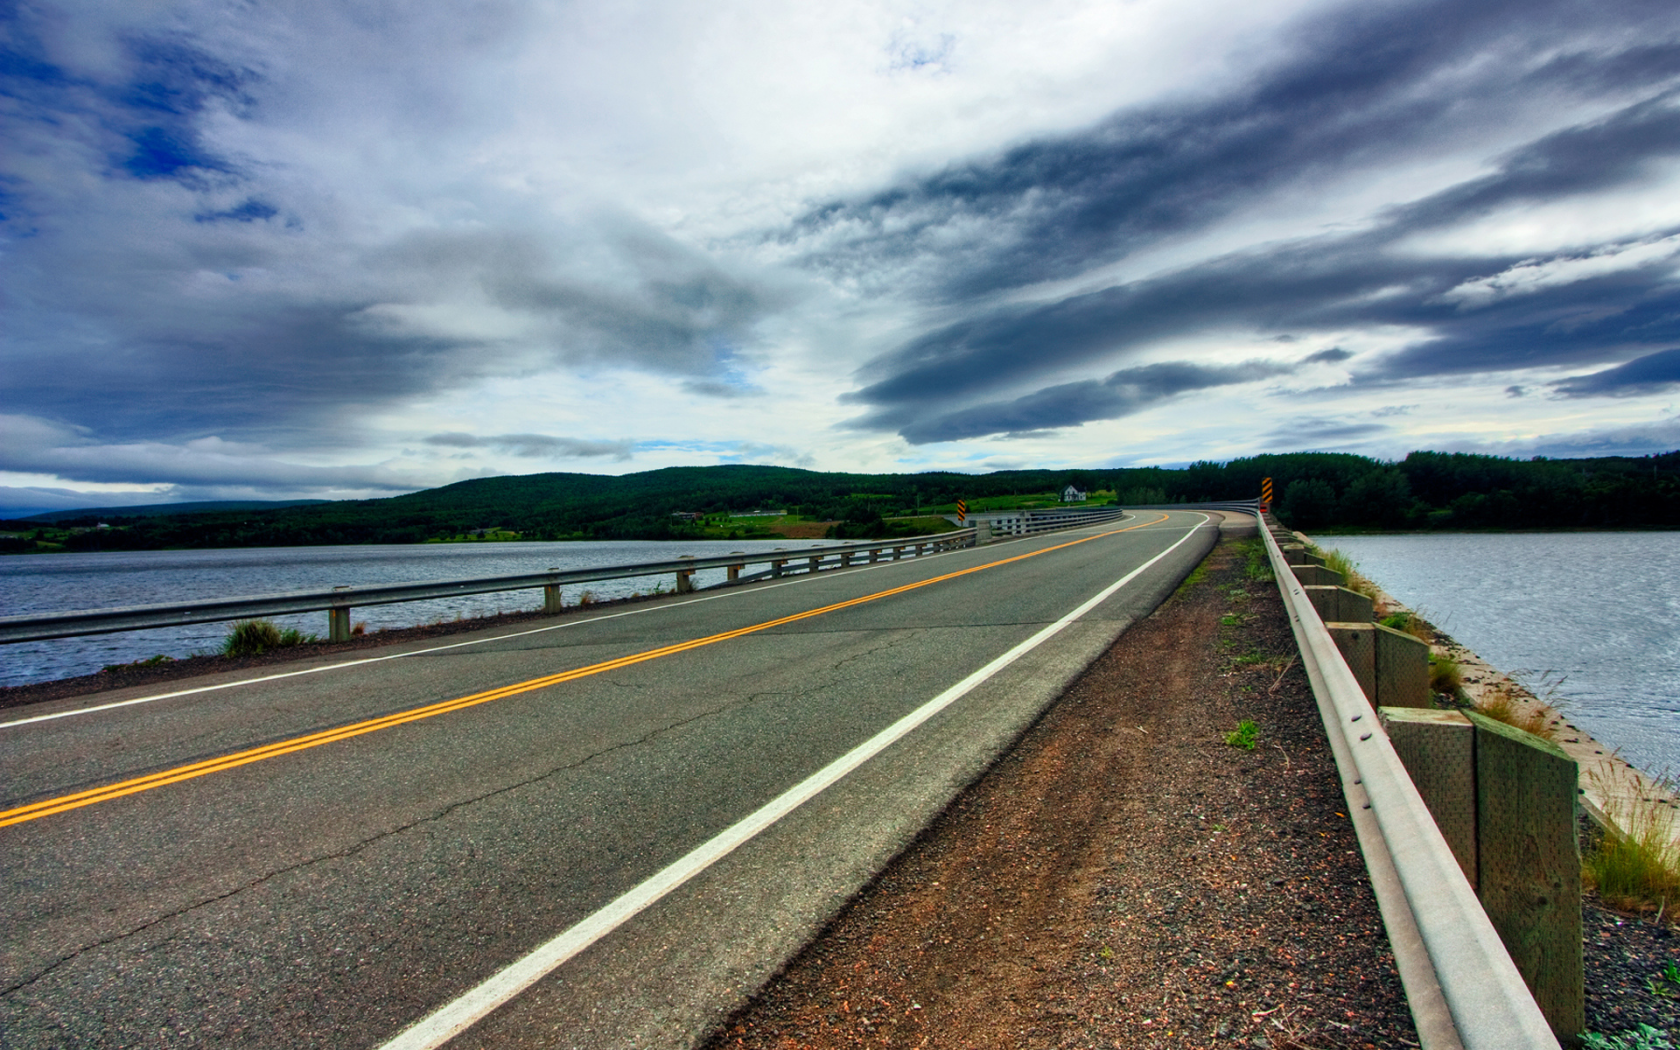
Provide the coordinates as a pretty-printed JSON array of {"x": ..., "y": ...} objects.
[
  {"x": 537, "y": 446},
  {"x": 39, "y": 446},
  {"x": 259, "y": 246},
  {"x": 1308, "y": 433},
  {"x": 1070, "y": 404},
  {"x": 1643, "y": 375}
]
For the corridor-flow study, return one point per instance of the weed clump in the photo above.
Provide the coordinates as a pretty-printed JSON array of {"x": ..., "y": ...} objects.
[
  {"x": 1259, "y": 565},
  {"x": 1337, "y": 561},
  {"x": 1445, "y": 676},
  {"x": 1502, "y": 704},
  {"x": 1642, "y": 1038},
  {"x": 255, "y": 637},
  {"x": 1243, "y": 736},
  {"x": 1635, "y": 865}
]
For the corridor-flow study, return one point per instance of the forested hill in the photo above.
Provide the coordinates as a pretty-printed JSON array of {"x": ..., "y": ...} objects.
[{"x": 1426, "y": 490}]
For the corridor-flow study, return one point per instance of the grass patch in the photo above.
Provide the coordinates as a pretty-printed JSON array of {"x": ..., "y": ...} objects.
[
  {"x": 1195, "y": 579},
  {"x": 1243, "y": 736},
  {"x": 1445, "y": 676},
  {"x": 255, "y": 637},
  {"x": 1230, "y": 620},
  {"x": 1250, "y": 658},
  {"x": 1257, "y": 565},
  {"x": 1502, "y": 704},
  {"x": 1636, "y": 865}
]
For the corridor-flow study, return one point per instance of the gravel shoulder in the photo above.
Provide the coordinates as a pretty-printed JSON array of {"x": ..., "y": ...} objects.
[{"x": 1124, "y": 878}]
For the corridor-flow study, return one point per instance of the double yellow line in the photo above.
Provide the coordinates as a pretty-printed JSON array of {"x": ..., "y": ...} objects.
[{"x": 63, "y": 803}]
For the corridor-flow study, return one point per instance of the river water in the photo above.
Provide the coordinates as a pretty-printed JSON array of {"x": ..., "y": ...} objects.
[
  {"x": 1589, "y": 621},
  {"x": 63, "y": 582}
]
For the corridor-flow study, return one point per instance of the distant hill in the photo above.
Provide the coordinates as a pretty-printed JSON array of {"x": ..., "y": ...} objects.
[
  {"x": 1315, "y": 490},
  {"x": 153, "y": 510}
]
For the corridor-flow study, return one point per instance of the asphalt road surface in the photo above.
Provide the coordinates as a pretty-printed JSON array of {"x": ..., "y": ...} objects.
[{"x": 603, "y": 832}]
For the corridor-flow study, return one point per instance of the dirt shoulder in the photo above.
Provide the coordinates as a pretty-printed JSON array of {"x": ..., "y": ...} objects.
[{"x": 1124, "y": 878}]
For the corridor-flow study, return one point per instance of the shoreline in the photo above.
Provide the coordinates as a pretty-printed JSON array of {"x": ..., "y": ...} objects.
[{"x": 1611, "y": 789}]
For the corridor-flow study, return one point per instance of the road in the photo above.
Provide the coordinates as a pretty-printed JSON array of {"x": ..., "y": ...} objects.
[{"x": 601, "y": 832}]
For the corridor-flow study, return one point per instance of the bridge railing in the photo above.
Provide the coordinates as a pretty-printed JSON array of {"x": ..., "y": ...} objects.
[
  {"x": 337, "y": 602},
  {"x": 1462, "y": 987}
]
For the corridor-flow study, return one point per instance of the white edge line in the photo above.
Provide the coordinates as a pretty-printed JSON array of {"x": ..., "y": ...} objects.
[
  {"x": 453, "y": 1018},
  {"x": 802, "y": 578}
]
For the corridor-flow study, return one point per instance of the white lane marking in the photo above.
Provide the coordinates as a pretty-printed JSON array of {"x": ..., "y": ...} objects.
[
  {"x": 457, "y": 645},
  {"x": 455, "y": 1017}
]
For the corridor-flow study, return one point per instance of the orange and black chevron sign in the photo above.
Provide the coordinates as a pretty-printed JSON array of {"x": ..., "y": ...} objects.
[
  {"x": 1266, "y": 495},
  {"x": 962, "y": 511}
]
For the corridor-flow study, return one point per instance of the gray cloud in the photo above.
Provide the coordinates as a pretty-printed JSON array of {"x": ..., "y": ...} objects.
[
  {"x": 1353, "y": 94},
  {"x": 1070, "y": 404},
  {"x": 1642, "y": 375},
  {"x": 537, "y": 446}
]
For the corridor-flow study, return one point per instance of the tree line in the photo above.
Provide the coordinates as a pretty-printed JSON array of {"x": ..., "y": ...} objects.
[{"x": 1314, "y": 490}]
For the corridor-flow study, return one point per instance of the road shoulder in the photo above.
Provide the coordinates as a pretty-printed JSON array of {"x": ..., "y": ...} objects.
[{"x": 1124, "y": 877}]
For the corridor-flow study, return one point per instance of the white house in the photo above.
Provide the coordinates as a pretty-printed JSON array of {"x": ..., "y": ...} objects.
[{"x": 1072, "y": 495}]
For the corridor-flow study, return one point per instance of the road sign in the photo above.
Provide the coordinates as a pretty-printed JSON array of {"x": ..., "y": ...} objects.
[
  {"x": 962, "y": 511},
  {"x": 1266, "y": 495}
]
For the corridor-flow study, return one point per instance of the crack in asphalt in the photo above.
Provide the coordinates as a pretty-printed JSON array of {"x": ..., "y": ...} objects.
[{"x": 363, "y": 844}]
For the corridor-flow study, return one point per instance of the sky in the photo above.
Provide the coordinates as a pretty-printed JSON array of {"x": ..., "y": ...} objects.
[{"x": 349, "y": 249}]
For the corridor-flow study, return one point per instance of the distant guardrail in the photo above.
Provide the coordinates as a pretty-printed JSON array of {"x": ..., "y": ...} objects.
[
  {"x": 338, "y": 601},
  {"x": 1463, "y": 989}
]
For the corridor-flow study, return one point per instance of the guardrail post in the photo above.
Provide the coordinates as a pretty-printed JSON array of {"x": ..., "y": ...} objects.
[
  {"x": 1358, "y": 645},
  {"x": 776, "y": 567},
  {"x": 1529, "y": 861},
  {"x": 551, "y": 598},
  {"x": 845, "y": 559},
  {"x": 1438, "y": 749},
  {"x": 814, "y": 562},
  {"x": 1312, "y": 575},
  {"x": 338, "y": 620},
  {"x": 1339, "y": 604},
  {"x": 1402, "y": 669},
  {"x": 735, "y": 570},
  {"x": 982, "y": 533}
]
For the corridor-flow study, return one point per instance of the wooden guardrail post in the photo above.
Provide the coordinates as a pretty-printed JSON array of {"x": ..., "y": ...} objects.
[
  {"x": 1339, "y": 604},
  {"x": 1438, "y": 749},
  {"x": 338, "y": 620},
  {"x": 1529, "y": 862},
  {"x": 735, "y": 570},
  {"x": 551, "y": 598},
  {"x": 685, "y": 577},
  {"x": 1505, "y": 802}
]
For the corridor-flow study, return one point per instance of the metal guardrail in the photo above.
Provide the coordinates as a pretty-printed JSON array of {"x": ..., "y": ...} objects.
[
  {"x": 338, "y": 601},
  {"x": 1463, "y": 989}
]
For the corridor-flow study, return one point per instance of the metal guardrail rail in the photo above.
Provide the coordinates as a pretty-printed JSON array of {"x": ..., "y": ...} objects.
[
  {"x": 1463, "y": 989},
  {"x": 338, "y": 601}
]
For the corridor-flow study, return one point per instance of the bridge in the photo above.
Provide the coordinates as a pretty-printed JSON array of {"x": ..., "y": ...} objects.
[{"x": 613, "y": 825}]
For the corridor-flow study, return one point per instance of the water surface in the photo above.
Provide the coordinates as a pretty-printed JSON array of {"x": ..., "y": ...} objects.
[
  {"x": 44, "y": 583},
  {"x": 1588, "y": 620}
]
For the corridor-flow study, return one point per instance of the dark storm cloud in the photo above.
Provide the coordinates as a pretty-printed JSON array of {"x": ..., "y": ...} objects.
[
  {"x": 536, "y": 446},
  {"x": 1642, "y": 375},
  {"x": 1362, "y": 87},
  {"x": 1069, "y": 404}
]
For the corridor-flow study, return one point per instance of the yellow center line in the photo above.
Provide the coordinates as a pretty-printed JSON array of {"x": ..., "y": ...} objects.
[{"x": 48, "y": 807}]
